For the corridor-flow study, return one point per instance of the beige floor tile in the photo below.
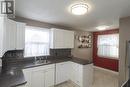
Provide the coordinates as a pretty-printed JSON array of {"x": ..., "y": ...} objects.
[{"x": 101, "y": 79}]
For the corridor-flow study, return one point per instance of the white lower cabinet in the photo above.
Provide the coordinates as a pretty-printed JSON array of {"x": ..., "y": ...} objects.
[
  {"x": 38, "y": 79},
  {"x": 27, "y": 75},
  {"x": 76, "y": 73},
  {"x": 62, "y": 72},
  {"x": 50, "y": 75},
  {"x": 87, "y": 75},
  {"x": 82, "y": 75},
  {"x": 42, "y": 76}
]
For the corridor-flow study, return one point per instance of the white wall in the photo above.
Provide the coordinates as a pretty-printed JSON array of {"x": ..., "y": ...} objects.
[
  {"x": 83, "y": 53},
  {"x": 124, "y": 36}
]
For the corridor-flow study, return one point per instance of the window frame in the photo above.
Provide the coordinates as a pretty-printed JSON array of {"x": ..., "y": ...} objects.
[
  {"x": 107, "y": 57},
  {"x": 39, "y": 29}
]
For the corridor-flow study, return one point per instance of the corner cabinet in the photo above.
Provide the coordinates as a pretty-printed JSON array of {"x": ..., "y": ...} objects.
[
  {"x": 12, "y": 35},
  {"x": 61, "y": 38},
  {"x": 81, "y": 75}
]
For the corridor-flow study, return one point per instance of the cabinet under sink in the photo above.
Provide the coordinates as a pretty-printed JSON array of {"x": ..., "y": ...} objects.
[
  {"x": 53, "y": 74},
  {"x": 42, "y": 76}
]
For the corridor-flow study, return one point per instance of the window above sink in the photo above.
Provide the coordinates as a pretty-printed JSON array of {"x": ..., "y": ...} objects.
[{"x": 36, "y": 41}]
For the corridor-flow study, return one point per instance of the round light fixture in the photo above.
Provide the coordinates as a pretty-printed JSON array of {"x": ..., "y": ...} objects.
[
  {"x": 103, "y": 27},
  {"x": 79, "y": 8}
]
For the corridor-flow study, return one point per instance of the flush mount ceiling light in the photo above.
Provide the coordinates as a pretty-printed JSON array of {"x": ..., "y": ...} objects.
[
  {"x": 79, "y": 8},
  {"x": 103, "y": 27}
]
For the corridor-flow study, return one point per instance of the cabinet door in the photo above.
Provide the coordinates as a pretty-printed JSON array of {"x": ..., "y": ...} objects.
[
  {"x": 62, "y": 38},
  {"x": 58, "y": 40},
  {"x": 68, "y": 39},
  {"x": 10, "y": 36},
  {"x": 38, "y": 78},
  {"x": 49, "y": 77},
  {"x": 1, "y": 35},
  {"x": 77, "y": 74},
  {"x": 14, "y": 35},
  {"x": 20, "y": 39},
  {"x": 74, "y": 73},
  {"x": 27, "y": 75},
  {"x": 88, "y": 75},
  {"x": 62, "y": 72}
]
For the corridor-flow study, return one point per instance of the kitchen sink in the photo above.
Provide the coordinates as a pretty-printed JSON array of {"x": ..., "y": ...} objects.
[{"x": 42, "y": 62}]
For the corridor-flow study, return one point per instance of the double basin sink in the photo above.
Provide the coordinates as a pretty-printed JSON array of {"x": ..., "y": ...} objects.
[{"x": 45, "y": 61}]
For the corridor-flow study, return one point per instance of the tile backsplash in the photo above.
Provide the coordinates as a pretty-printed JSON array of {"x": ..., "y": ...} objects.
[
  {"x": 53, "y": 52},
  {"x": 60, "y": 52},
  {"x": 14, "y": 54}
]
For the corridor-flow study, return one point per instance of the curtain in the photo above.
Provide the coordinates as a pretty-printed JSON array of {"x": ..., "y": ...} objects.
[
  {"x": 36, "y": 41},
  {"x": 108, "y": 45}
]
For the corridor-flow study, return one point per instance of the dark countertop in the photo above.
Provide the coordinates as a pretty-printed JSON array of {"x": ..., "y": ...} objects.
[
  {"x": 12, "y": 78},
  {"x": 80, "y": 61},
  {"x": 127, "y": 84},
  {"x": 11, "y": 74}
]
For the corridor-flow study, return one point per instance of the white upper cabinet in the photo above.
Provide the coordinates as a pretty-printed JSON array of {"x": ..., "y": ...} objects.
[
  {"x": 20, "y": 37},
  {"x": 1, "y": 35},
  {"x": 15, "y": 35},
  {"x": 11, "y": 36},
  {"x": 62, "y": 38}
]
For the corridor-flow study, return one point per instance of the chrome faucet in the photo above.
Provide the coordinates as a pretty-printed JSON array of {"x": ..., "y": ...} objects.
[
  {"x": 35, "y": 58},
  {"x": 46, "y": 59}
]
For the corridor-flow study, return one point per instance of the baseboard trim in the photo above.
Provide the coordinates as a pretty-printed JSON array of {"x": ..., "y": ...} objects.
[{"x": 106, "y": 70}]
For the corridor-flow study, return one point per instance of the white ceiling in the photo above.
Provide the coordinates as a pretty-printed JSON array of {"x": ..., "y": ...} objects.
[{"x": 101, "y": 12}]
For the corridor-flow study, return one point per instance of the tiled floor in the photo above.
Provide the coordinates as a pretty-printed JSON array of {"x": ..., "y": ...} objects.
[
  {"x": 105, "y": 79},
  {"x": 67, "y": 84},
  {"x": 101, "y": 79}
]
